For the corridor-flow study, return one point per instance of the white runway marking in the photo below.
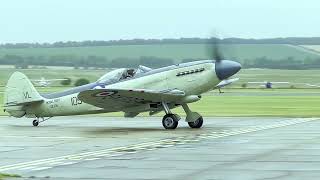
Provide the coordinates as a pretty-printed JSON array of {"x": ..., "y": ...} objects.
[
  {"x": 55, "y": 163},
  {"x": 28, "y": 167},
  {"x": 68, "y": 163},
  {"x": 92, "y": 159},
  {"x": 41, "y": 168},
  {"x": 135, "y": 148}
]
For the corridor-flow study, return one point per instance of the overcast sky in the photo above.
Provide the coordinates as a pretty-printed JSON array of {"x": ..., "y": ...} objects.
[{"x": 64, "y": 20}]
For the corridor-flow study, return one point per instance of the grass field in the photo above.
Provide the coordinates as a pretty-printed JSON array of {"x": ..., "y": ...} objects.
[
  {"x": 288, "y": 106},
  {"x": 177, "y": 52},
  {"x": 296, "y": 77},
  {"x": 7, "y": 176},
  {"x": 265, "y": 103}
]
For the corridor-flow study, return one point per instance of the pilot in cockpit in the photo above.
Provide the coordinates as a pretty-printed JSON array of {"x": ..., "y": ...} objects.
[
  {"x": 121, "y": 74},
  {"x": 129, "y": 73}
]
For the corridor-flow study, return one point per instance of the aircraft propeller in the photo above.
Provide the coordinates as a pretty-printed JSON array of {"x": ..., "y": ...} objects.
[
  {"x": 215, "y": 49},
  {"x": 223, "y": 68}
]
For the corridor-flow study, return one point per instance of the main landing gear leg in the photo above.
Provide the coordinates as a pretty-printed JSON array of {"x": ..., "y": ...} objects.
[
  {"x": 37, "y": 121},
  {"x": 169, "y": 121},
  {"x": 194, "y": 119}
]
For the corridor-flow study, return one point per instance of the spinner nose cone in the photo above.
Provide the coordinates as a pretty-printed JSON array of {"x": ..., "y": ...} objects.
[{"x": 225, "y": 68}]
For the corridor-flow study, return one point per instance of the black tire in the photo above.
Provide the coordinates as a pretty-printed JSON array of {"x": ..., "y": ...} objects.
[
  {"x": 170, "y": 121},
  {"x": 35, "y": 123},
  {"x": 197, "y": 124}
]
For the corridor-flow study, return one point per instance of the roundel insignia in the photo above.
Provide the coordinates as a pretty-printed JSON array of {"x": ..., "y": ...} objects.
[{"x": 105, "y": 93}]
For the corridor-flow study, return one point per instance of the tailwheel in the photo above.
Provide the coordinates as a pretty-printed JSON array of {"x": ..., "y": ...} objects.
[
  {"x": 35, "y": 122},
  {"x": 170, "y": 121},
  {"x": 196, "y": 124}
]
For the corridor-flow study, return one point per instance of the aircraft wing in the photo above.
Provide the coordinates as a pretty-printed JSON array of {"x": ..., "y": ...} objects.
[{"x": 128, "y": 97}]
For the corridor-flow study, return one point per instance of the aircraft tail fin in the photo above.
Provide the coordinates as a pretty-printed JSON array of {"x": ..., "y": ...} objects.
[{"x": 19, "y": 91}]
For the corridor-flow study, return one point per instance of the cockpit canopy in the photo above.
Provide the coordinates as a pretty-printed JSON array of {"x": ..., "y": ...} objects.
[{"x": 122, "y": 73}]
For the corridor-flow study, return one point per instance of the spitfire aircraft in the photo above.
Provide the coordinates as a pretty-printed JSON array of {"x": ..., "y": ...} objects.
[{"x": 131, "y": 91}]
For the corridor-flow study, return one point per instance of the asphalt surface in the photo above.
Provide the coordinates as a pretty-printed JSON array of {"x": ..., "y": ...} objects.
[{"x": 87, "y": 147}]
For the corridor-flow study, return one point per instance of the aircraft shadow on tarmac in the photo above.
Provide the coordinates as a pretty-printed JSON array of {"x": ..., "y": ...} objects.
[
  {"x": 89, "y": 130},
  {"x": 115, "y": 130},
  {"x": 109, "y": 130},
  {"x": 129, "y": 130}
]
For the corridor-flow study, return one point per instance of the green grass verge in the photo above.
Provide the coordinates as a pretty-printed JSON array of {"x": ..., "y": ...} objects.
[
  {"x": 5, "y": 176},
  {"x": 1, "y": 106},
  {"x": 292, "y": 76},
  {"x": 287, "y": 106}
]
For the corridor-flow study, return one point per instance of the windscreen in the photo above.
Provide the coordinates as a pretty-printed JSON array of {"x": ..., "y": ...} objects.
[{"x": 112, "y": 76}]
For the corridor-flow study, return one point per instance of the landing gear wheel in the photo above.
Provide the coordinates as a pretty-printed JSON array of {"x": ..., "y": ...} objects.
[
  {"x": 170, "y": 121},
  {"x": 35, "y": 123},
  {"x": 196, "y": 124}
]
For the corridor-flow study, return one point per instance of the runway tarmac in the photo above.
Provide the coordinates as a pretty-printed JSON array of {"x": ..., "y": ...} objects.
[{"x": 116, "y": 148}]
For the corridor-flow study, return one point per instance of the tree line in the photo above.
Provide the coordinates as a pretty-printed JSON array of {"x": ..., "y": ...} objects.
[
  {"x": 84, "y": 62},
  {"x": 289, "y": 40},
  {"x": 284, "y": 63},
  {"x": 150, "y": 61}
]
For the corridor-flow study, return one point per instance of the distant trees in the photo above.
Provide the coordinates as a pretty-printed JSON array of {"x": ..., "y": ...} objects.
[
  {"x": 95, "y": 61},
  {"x": 99, "y": 62},
  {"x": 124, "y": 62},
  {"x": 189, "y": 60},
  {"x": 66, "y": 82},
  {"x": 286, "y": 63},
  {"x": 84, "y": 62},
  {"x": 155, "y": 62},
  {"x": 81, "y": 82},
  {"x": 244, "y": 85},
  {"x": 150, "y": 61}
]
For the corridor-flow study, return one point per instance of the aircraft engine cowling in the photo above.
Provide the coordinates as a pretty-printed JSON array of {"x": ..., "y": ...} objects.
[{"x": 226, "y": 68}]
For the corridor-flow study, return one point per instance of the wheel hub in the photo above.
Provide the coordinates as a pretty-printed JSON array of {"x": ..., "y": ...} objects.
[
  {"x": 196, "y": 122},
  {"x": 169, "y": 122}
]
